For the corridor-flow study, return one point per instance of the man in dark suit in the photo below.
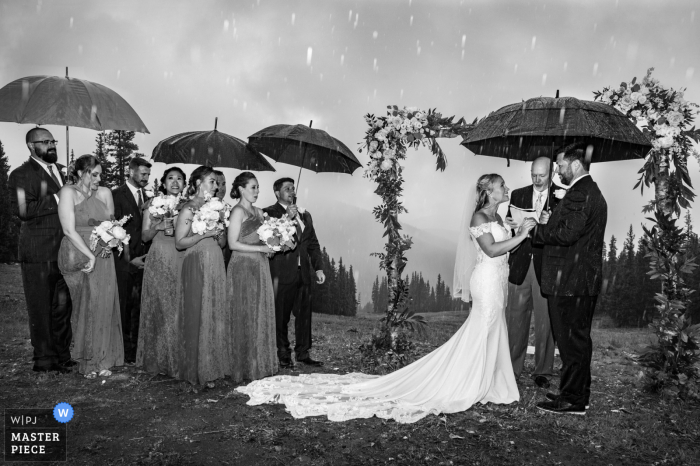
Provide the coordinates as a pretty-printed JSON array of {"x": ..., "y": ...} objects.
[
  {"x": 129, "y": 199},
  {"x": 36, "y": 184},
  {"x": 291, "y": 277},
  {"x": 572, "y": 266},
  {"x": 524, "y": 280}
]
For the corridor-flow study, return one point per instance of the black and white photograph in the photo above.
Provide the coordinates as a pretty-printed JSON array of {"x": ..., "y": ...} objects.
[{"x": 408, "y": 232}]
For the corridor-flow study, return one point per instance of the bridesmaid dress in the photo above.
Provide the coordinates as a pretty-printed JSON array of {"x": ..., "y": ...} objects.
[
  {"x": 96, "y": 321},
  {"x": 251, "y": 309},
  {"x": 159, "y": 340},
  {"x": 202, "y": 307}
]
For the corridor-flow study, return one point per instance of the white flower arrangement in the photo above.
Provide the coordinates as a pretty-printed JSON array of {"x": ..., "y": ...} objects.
[
  {"x": 164, "y": 205},
  {"x": 277, "y": 233},
  {"x": 213, "y": 215},
  {"x": 559, "y": 193},
  {"x": 110, "y": 234}
]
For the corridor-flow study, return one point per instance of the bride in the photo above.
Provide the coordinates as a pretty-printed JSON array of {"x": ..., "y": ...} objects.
[{"x": 472, "y": 366}]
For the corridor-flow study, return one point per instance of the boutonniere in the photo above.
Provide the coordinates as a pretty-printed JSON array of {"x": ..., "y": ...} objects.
[
  {"x": 64, "y": 171},
  {"x": 559, "y": 193},
  {"x": 149, "y": 193}
]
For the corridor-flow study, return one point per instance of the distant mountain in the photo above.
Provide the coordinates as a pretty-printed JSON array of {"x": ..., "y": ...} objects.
[{"x": 352, "y": 233}]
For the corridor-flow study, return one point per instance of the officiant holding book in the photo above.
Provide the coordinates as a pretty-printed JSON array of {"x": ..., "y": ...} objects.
[{"x": 524, "y": 295}]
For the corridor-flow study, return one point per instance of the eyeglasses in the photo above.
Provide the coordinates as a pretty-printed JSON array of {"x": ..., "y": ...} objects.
[{"x": 46, "y": 142}]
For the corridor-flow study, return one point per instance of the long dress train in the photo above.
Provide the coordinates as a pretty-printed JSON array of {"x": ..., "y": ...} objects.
[
  {"x": 251, "y": 309},
  {"x": 472, "y": 366},
  {"x": 159, "y": 339},
  {"x": 96, "y": 320}
]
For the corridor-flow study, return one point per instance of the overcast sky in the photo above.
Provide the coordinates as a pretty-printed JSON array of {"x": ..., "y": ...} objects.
[{"x": 258, "y": 63}]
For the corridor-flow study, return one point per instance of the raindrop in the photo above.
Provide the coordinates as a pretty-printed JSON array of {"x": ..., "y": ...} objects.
[
  {"x": 342, "y": 60},
  {"x": 80, "y": 50},
  {"x": 595, "y": 26},
  {"x": 228, "y": 80},
  {"x": 692, "y": 16},
  {"x": 689, "y": 73},
  {"x": 268, "y": 95},
  {"x": 464, "y": 40},
  {"x": 463, "y": 54},
  {"x": 38, "y": 6},
  {"x": 245, "y": 105},
  {"x": 119, "y": 73},
  {"x": 294, "y": 16},
  {"x": 375, "y": 34},
  {"x": 418, "y": 47},
  {"x": 544, "y": 79},
  {"x": 357, "y": 18},
  {"x": 595, "y": 69},
  {"x": 673, "y": 61},
  {"x": 71, "y": 23},
  {"x": 321, "y": 76},
  {"x": 375, "y": 67},
  {"x": 165, "y": 75},
  {"x": 350, "y": 16},
  {"x": 534, "y": 41},
  {"x": 401, "y": 95},
  {"x": 566, "y": 65},
  {"x": 562, "y": 112},
  {"x": 516, "y": 69},
  {"x": 309, "y": 52},
  {"x": 375, "y": 94},
  {"x": 410, "y": 23}
]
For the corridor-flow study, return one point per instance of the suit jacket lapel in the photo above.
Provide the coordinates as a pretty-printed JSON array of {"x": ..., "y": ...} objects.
[{"x": 43, "y": 174}]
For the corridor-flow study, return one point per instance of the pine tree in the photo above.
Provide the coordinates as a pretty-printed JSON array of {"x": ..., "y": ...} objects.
[
  {"x": 375, "y": 296},
  {"x": 101, "y": 153},
  {"x": 9, "y": 223},
  {"x": 72, "y": 156},
  {"x": 121, "y": 147},
  {"x": 351, "y": 293}
]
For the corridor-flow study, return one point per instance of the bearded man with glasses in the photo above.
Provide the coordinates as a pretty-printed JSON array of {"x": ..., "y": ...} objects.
[{"x": 36, "y": 183}]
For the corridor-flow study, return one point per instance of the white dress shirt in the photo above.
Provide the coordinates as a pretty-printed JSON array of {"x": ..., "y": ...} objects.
[
  {"x": 135, "y": 192},
  {"x": 56, "y": 172}
]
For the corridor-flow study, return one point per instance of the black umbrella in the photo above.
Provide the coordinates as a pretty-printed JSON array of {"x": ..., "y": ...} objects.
[
  {"x": 212, "y": 148},
  {"x": 304, "y": 147},
  {"x": 537, "y": 127}
]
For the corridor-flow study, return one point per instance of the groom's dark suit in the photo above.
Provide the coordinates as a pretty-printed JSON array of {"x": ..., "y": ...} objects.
[
  {"x": 129, "y": 277},
  {"x": 40, "y": 236},
  {"x": 524, "y": 294},
  {"x": 291, "y": 278},
  {"x": 572, "y": 274}
]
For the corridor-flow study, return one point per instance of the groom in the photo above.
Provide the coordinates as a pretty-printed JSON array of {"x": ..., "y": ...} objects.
[
  {"x": 291, "y": 277},
  {"x": 572, "y": 275}
]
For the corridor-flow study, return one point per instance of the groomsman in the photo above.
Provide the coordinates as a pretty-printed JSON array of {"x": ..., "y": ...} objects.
[
  {"x": 572, "y": 275},
  {"x": 129, "y": 199},
  {"x": 36, "y": 183},
  {"x": 291, "y": 277},
  {"x": 524, "y": 279}
]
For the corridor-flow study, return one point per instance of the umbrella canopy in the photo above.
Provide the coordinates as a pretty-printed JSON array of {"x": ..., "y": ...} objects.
[
  {"x": 54, "y": 100},
  {"x": 304, "y": 147},
  {"x": 212, "y": 148},
  {"x": 537, "y": 127}
]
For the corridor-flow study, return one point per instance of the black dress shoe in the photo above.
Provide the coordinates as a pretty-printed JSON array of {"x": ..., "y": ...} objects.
[
  {"x": 553, "y": 397},
  {"x": 52, "y": 368},
  {"x": 561, "y": 407},
  {"x": 310, "y": 362},
  {"x": 542, "y": 381},
  {"x": 286, "y": 363},
  {"x": 68, "y": 363}
]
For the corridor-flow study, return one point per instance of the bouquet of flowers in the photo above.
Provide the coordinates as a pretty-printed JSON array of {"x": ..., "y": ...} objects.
[
  {"x": 109, "y": 234},
  {"x": 166, "y": 207},
  {"x": 213, "y": 215},
  {"x": 277, "y": 233}
]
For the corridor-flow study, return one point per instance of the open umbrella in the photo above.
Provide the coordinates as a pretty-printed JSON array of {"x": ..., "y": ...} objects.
[
  {"x": 54, "y": 100},
  {"x": 304, "y": 147},
  {"x": 212, "y": 148},
  {"x": 537, "y": 127}
]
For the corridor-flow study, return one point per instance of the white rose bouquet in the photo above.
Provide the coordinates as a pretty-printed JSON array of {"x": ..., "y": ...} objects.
[
  {"x": 277, "y": 233},
  {"x": 213, "y": 215},
  {"x": 109, "y": 234},
  {"x": 164, "y": 207}
]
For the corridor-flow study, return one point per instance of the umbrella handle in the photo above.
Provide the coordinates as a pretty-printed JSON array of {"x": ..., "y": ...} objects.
[{"x": 303, "y": 159}]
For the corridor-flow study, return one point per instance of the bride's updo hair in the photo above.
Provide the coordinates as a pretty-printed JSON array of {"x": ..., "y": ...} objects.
[
  {"x": 82, "y": 163},
  {"x": 198, "y": 174},
  {"x": 241, "y": 181},
  {"x": 483, "y": 189}
]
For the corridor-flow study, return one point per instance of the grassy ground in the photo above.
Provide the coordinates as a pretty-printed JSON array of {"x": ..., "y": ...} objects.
[{"x": 136, "y": 418}]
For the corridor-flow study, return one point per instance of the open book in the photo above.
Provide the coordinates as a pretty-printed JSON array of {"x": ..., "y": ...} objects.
[{"x": 518, "y": 214}]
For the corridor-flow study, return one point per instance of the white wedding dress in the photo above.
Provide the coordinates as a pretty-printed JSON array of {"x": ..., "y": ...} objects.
[{"x": 472, "y": 366}]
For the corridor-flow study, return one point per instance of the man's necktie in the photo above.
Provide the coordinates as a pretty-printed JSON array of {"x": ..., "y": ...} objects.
[
  {"x": 53, "y": 176},
  {"x": 538, "y": 205},
  {"x": 140, "y": 202}
]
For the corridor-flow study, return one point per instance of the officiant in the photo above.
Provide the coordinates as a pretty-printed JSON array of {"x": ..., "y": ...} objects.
[{"x": 524, "y": 279}]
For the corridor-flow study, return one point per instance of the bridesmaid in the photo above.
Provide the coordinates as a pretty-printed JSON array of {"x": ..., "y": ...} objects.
[
  {"x": 158, "y": 336},
  {"x": 203, "y": 325},
  {"x": 251, "y": 301},
  {"x": 92, "y": 281}
]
